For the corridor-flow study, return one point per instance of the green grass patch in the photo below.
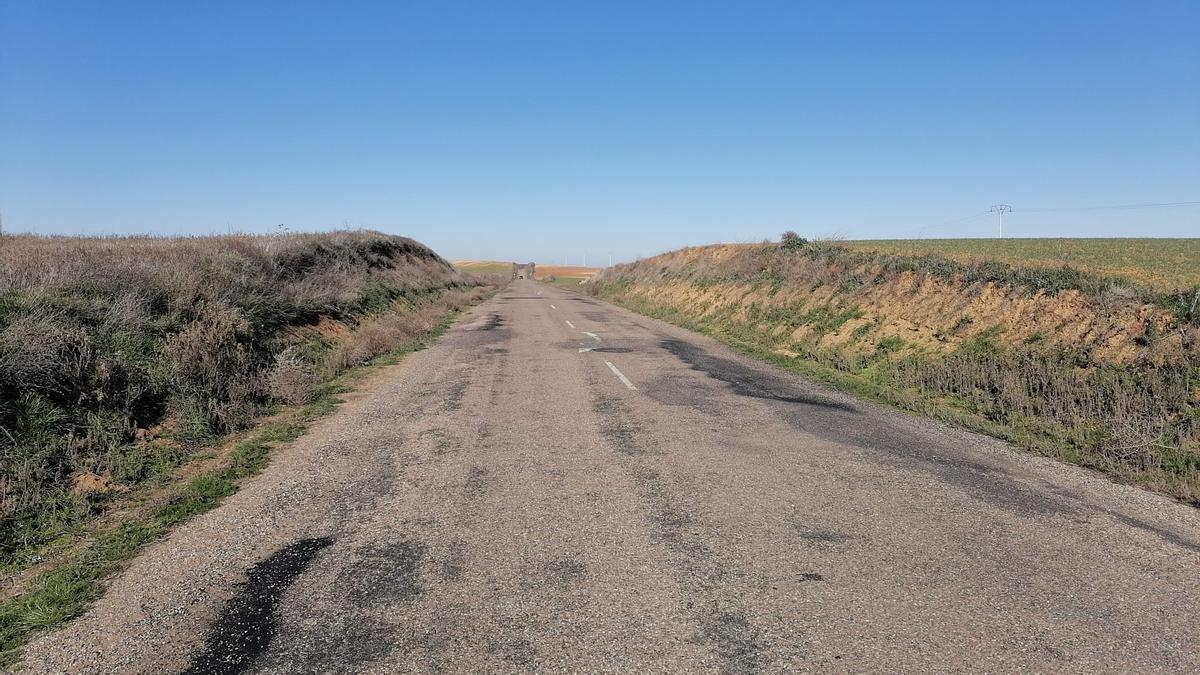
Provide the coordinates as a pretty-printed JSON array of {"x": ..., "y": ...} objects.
[
  {"x": 572, "y": 283},
  {"x": 822, "y": 320}
]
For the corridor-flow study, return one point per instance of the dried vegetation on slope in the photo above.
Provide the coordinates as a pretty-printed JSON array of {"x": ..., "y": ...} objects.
[
  {"x": 1092, "y": 369},
  {"x": 120, "y": 356}
]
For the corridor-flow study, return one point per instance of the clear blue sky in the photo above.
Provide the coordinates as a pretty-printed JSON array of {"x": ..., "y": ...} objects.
[{"x": 532, "y": 129}]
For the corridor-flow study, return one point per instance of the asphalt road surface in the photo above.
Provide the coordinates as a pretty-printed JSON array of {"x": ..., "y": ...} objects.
[{"x": 562, "y": 486}]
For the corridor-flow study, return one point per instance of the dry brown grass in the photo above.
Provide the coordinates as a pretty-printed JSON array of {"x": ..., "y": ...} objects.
[
  {"x": 381, "y": 334},
  {"x": 304, "y": 269}
]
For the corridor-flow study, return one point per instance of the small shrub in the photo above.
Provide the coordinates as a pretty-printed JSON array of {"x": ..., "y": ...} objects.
[
  {"x": 961, "y": 323},
  {"x": 862, "y": 330},
  {"x": 1184, "y": 306},
  {"x": 890, "y": 344},
  {"x": 1035, "y": 338},
  {"x": 1115, "y": 297},
  {"x": 291, "y": 379},
  {"x": 828, "y": 319},
  {"x": 43, "y": 349},
  {"x": 203, "y": 356},
  {"x": 792, "y": 241}
]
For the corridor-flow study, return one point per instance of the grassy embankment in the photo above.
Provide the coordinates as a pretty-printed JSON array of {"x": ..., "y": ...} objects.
[
  {"x": 142, "y": 378},
  {"x": 1097, "y": 370}
]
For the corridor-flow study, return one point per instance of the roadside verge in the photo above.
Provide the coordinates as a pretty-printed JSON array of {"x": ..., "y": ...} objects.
[{"x": 70, "y": 579}]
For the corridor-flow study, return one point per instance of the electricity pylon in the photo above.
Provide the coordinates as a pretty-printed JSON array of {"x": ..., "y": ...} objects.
[{"x": 1000, "y": 210}]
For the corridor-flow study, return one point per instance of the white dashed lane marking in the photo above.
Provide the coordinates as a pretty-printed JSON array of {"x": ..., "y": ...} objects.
[
  {"x": 620, "y": 376},
  {"x": 570, "y": 324}
]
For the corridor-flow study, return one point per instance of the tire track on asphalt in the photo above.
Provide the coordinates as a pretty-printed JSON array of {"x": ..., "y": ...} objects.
[{"x": 724, "y": 626}]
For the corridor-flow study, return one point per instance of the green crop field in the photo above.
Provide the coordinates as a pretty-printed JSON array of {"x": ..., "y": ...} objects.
[{"x": 1166, "y": 264}]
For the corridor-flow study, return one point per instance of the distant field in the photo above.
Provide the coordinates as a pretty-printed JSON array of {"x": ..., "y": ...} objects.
[
  {"x": 566, "y": 274},
  {"x": 1166, "y": 264},
  {"x": 483, "y": 266},
  {"x": 563, "y": 274}
]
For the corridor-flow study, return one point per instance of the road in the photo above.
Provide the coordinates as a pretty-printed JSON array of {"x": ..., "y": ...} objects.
[{"x": 559, "y": 485}]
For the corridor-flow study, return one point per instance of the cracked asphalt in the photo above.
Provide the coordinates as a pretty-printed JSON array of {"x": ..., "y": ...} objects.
[{"x": 505, "y": 502}]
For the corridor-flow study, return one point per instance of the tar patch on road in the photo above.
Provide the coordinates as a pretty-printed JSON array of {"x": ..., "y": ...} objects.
[
  {"x": 454, "y": 395},
  {"x": 493, "y": 322},
  {"x": 565, "y": 569},
  {"x": 673, "y": 525},
  {"x": 385, "y": 574},
  {"x": 742, "y": 380},
  {"x": 514, "y": 650},
  {"x": 617, "y": 426},
  {"x": 475, "y": 485},
  {"x": 439, "y": 442},
  {"x": 735, "y": 640},
  {"x": 248, "y": 623},
  {"x": 477, "y": 480},
  {"x": 822, "y": 537},
  {"x": 454, "y": 562}
]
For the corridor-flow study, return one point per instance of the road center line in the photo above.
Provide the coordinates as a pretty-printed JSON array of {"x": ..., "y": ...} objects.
[
  {"x": 620, "y": 376},
  {"x": 569, "y": 323},
  {"x": 592, "y": 335},
  {"x": 553, "y": 307}
]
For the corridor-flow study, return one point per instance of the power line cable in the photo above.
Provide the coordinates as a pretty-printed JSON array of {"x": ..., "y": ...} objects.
[
  {"x": 920, "y": 231},
  {"x": 1116, "y": 207}
]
